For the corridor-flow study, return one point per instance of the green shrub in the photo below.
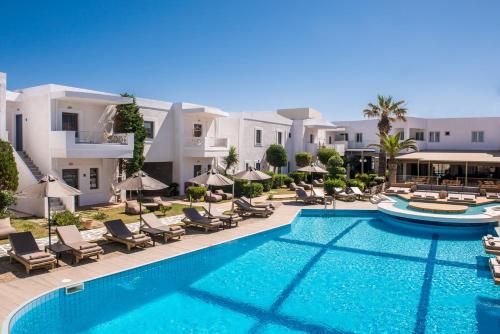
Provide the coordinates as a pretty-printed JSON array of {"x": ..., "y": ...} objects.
[
  {"x": 163, "y": 209},
  {"x": 379, "y": 179},
  {"x": 325, "y": 153},
  {"x": 99, "y": 215},
  {"x": 195, "y": 193},
  {"x": 335, "y": 166},
  {"x": 276, "y": 156},
  {"x": 238, "y": 187},
  {"x": 297, "y": 176},
  {"x": 333, "y": 183},
  {"x": 303, "y": 159},
  {"x": 363, "y": 177},
  {"x": 64, "y": 218},
  {"x": 9, "y": 178},
  {"x": 278, "y": 180},
  {"x": 253, "y": 189},
  {"x": 7, "y": 199},
  {"x": 356, "y": 183},
  {"x": 288, "y": 180}
]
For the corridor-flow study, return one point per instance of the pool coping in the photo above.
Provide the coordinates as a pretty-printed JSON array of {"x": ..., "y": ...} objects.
[{"x": 5, "y": 329}]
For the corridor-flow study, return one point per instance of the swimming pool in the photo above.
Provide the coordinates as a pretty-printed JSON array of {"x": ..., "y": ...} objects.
[
  {"x": 402, "y": 203},
  {"x": 329, "y": 272}
]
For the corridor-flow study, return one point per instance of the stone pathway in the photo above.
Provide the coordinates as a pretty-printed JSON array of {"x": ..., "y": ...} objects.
[{"x": 94, "y": 233}]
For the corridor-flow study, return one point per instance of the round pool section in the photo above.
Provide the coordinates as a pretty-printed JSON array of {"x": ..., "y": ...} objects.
[
  {"x": 396, "y": 206},
  {"x": 330, "y": 271},
  {"x": 438, "y": 207}
]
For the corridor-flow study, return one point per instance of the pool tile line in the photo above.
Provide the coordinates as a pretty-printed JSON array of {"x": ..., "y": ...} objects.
[
  {"x": 302, "y": 274},
  {"x": 423, "y": 304}
]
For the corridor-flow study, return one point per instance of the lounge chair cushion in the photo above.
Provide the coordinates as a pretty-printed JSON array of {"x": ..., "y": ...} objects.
[
  {"x": 138, "y": 236},
  {"x": 69, "y": 234},
  {"x": 496, "y": 270},
  {"x": 36, "y": 255},
  {"x": 493, "y": 244},
  {"x": 48, "y": 258}
]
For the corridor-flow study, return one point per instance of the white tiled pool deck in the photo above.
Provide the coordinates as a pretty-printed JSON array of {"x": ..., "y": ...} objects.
[{"x": 17, "y": 291}]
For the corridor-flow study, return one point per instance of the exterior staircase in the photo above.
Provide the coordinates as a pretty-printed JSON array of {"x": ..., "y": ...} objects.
[
  {"x": 56, "y": 205},
  {"x": 31, "y": 165}
]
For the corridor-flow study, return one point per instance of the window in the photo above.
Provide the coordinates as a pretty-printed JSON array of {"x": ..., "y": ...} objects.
[
  {"x": 196, "y": 170},
  {"x": 477, "y": 136},
  {"x": 197, "y": 130},
  {"x": 149, "y": 126},
  {"x": 447, "y": 133},
  {"x": 247, "y": 165},
  {"x": 359, "y": 137},
  {"x": 401, "y": 135},
  {"x": 289, "y": 135},
  {"x": 419, "y": 135},
  {"x": 209, "y": 167},
  {"x": 257, "y": 165},
  {"x": 258, "y": 137},
  {"x": 330, "y": 140},
  {"x": 344, "y": 136},
  {"x": 279, "y": 138},
  {"x": 311, "y": 138},
  {"x": 94, "y": 178},
  {"x": 434, "y": 136}
]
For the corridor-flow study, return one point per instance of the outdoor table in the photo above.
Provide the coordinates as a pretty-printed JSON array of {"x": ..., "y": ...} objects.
[
  {"x": 58, "y": 250},
  {"x": 153, "y": 232}
]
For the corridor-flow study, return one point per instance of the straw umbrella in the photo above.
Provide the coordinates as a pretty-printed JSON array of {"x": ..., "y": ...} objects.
[
  {"x": 49, "y": 186},
  {"x": 252, "y": 175},
  {"x": 140, "y": 181},
  {"x": 212, "y": 178},
  {"x": 312, "y": 168}
]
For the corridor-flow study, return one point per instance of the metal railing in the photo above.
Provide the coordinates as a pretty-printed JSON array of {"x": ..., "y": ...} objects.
[
  {"x": 205, "y": 142},
  {"x": 90, "y": 137}
]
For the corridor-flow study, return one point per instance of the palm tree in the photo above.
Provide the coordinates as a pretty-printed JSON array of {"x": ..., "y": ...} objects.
[
  {"x": 392, "y": 146},
  {"x": 231, "y": 159},
  {"x": 387, "y": 111}
]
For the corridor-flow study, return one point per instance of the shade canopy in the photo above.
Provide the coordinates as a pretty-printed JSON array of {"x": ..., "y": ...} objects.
[
  {"x": 457, "y": 156},
  {"x": 212, "y": 178},
  {"x": 312, "y": 168},
  {"x": 252, "y": 175},
  {"x": 140, "y": 181},
  {"x": 48, "y": 186}
]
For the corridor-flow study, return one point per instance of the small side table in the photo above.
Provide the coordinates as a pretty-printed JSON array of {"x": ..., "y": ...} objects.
[
  {"x": 153, "y": 232},
  {"x": 151, "y": 206},
  {"x": 58, "y": 249}
]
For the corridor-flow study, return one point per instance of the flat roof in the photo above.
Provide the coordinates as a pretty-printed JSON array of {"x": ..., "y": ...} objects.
[{"x": 453, "y": 156}]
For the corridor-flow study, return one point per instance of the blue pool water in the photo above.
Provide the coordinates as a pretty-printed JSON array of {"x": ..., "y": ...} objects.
[
  {"x": 402, "y": 203},
  {"x": 351, "y": 272}
]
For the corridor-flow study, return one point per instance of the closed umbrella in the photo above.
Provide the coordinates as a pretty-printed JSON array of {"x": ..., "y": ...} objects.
[
  {"x": 312, "y": 168},
  {"x": 140, "y": 181},
  {"x": 49, "y": 186},
  {"x": 252, "y": 175},
  {"x": 211, "y": 178}
]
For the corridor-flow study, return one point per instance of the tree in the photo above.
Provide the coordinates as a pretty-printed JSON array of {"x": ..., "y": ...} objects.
[
  {"x": 276, "y": 156},
  {"x": 128, "y": 119},
  {"x": 9, "y": 177},
  {"x": 324, "y": 153},
  {"x": 335, "y": 167},
  {"x": 386, "y": 111},
  {"x": 231, "y": 159},
  {"x": 303, "y": 159},
  {"x": 392, "y": 146}
]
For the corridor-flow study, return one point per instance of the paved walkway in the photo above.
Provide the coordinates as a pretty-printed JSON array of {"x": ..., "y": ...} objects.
[{"x": 16, "y": 288}]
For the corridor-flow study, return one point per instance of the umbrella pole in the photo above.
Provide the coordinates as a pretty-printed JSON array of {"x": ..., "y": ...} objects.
[
  {"x": 210, "y": 202},
  {"x": 48, "y": 207},
  {"x": 232, "y": 202},
  {"x": 140, "y": 209}
]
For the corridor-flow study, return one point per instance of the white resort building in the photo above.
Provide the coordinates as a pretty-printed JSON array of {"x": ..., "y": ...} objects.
[{"x": 69, "y": 132}]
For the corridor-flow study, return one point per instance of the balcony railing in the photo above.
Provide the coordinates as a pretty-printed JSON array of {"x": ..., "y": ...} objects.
[
  {"x": 90, "y": 137},
  {"x": 206, "y": 142}
]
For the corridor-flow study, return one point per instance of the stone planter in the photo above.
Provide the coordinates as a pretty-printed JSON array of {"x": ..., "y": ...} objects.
[
  {"x": 443, "y": 194},
  {"x": 88, "y": 224}
]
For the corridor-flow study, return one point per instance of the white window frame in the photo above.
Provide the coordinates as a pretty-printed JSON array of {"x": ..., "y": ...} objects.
[
  {"x": 153, "y": 128},
  {"x": 261, "y": 136},
  {"x": 278, "y": 132},
  {"x": 477, "y": 136},
  {"x": 359, "y": 135},
  {"x": 417, "y": 135},
  {"x": 434, "y": 136},
  {"x": 201, "y": 129},
  {"x": 97, "y": 176}
]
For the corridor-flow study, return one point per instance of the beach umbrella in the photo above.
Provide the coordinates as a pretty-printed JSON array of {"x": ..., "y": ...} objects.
[
  {"x": 212, "y": 178},
  {"x": 312, "y": 168},
  {"x": 49, "y": 186},
  {"x": 252, "y": 175},
  {"x": 140, "y": 181}
]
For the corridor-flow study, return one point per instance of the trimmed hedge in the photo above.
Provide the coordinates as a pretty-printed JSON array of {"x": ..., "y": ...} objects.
[
  {"x": 9, "y": 177},
  {"x": 297, "y": 176},
  {"x": 303, "y": 159},
  {"x": 253, "y": 189},
  {"x": 333, "y": 183},
  {"x": 64, "y": 218},
  {"x": 356, "y": 183},
  {"x": 196, "y": 193}
]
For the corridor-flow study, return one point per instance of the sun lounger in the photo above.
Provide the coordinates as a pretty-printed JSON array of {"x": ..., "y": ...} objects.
[
  {"x": 293, "y": 186},
  {"x": 302, "y": 195},
  {"x": 119, "y": 232},
  {"x": 194, "y": 218},
  {"x": 244, "y": 209},
  {"x": 81, "y": 249},
  {"x": 212, "y": 197},
  {"x": 492, "y": 195},
  {"x": 224, "y": 195},
  {"x": 271, "y": 205},
  {"x": 391, "y": 190},
  {"x": 5, "y": 228},
  {"x": 494, "y": 264},
  {"x": 132, "y": 207},
  {"x": 491, "y": 246},
  {"x": 431, "y": 196},
  {"x": 305, "y": 185},
  {"x": 169, "y": 231},
  {"x": 359, "y": 194},
  {"x": 418, "y": 195},
  {"x": 227, "y": 220},
  {"x": 26, "y": 251},
  {"x": 317, "y": 183},
  {"x": 343, "y": 196},
  {"x": 321, "y": 197},
  {"x": 454, "y": 197},
  {"x": 469, "y": 198},
  {"x": 158, "y": 200}
]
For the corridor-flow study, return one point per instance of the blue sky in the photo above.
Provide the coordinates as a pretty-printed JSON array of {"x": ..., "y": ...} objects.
[{"x": 442, "y": 57}]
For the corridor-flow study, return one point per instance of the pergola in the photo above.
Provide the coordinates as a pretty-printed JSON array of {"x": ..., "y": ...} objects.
[{"x": 466, "y": 158}]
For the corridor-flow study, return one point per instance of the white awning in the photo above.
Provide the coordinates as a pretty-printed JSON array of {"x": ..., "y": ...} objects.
[{"x": 450, "y": 156}]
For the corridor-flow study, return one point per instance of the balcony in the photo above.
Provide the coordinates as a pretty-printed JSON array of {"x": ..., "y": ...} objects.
[
  {"x": 86, "y": 144},
  {"x": 338, "y": 146},
  {"x": 205, "y": 147}
]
